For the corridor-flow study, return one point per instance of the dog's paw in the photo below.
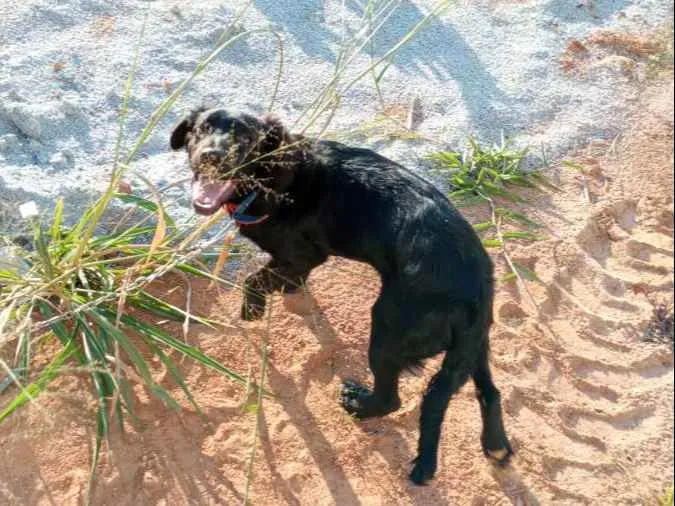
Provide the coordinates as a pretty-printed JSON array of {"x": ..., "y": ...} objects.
[
  {"x": 251, "y": 312},
  {"x": 497, "y": 449},
  {"x": 423, "y": 470},
  {"x": 359, "y": 402},
  {"x": 353, "y": 397}
]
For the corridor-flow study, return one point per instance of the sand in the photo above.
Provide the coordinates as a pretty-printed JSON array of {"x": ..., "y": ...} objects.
[
  {"x": 588, "y": 402},
  {"x": 485, "y": 68}
]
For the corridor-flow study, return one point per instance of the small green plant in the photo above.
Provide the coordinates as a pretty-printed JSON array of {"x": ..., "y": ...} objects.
[
  {"x": 667, "y": 498},
  {"x": 87, "y": 298},
  {"x": 482, "y": 173},
  {"x": 491, "y": 176}
]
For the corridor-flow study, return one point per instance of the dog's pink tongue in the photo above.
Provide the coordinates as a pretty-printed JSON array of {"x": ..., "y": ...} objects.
[{"x": 208, "y": 196}]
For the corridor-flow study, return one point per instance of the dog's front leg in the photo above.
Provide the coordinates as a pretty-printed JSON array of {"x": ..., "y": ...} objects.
[{"x": 273, "y": 277}]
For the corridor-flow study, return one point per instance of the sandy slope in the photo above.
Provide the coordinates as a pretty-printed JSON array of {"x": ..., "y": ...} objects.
[
  {"x": 588, "y": 404},
  {"x": 485, "y": 67}
]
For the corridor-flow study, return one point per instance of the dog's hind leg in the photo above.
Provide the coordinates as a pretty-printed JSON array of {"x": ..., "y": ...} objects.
[
  {"x": 493, "y": 438},
  {"x": 453, "y": 374}
]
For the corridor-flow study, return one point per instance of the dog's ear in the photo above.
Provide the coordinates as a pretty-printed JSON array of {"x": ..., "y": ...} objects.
[
  {"x": 276, "y": 134},
  {"x": 184, "y": 126},
  {"x": 179, "y": 132}
]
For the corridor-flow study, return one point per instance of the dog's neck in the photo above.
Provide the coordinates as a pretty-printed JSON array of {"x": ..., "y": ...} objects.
[{"x": 284, "y": 167}]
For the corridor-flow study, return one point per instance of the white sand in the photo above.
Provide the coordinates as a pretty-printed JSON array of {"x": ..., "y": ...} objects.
[{"x": 484, "y": 68}]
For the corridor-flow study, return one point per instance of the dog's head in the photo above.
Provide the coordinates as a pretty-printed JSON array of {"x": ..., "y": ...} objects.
[{"x": 232, "y": 155}]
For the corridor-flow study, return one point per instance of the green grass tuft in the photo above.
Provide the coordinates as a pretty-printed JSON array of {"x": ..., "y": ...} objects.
[
  {"x": 485, "y": 172},
  {"x": 84, "y": 292},
  {"x": 490, "y": 174},
  {"x": 493, "y": 176}
]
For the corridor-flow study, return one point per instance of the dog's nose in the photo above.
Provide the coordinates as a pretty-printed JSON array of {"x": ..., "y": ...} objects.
[{"x": 211, "y": 157}]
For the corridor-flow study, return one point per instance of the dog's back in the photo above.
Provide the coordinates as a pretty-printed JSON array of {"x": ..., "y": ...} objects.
[{"x": 368, "y": 208}]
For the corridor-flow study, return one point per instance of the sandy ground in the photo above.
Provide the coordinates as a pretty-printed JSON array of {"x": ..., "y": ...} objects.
[{"x": 588, "y": 403}]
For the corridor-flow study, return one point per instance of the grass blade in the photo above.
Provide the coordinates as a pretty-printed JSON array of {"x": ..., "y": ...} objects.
[
  {"x": 148, "y": 205},
  {"x": 5, "y": 316},
  {"x": 119, "y": 240},
  {"x": 160, "y": 232},
  {"x": 540, "y": 178},
  {"x": 258, "y": 408},
  {"x": 513, "y": 216},
  {"x": 224, "y": 254},
  {"x": 518, "y": 180},
  {"x": 34, "y": 389},
  {"x": 526, "y": 273},
  {"x": 575, "y": 166},
  {"x": 192, "y": 352},
  {"x": 91, "y": 220},
  {"x": 517, "y": 234},
  {"x": 498, "y": 191},
  {"x": 120, "y": 337},
  {"x": 492, "y": 243},
  {"x": 175, "y": 375},
  {"x": 189, "y": 269},
  {"x": 41, "y": 248},
  {"x": 59, "y": 329},
  {"x": 102, "y": 430},
  {"x": 486, "y": 225},
  {"x": 58, "y": 218},
  {"x": 23, "y": 354},
  {"x": 144, "y": 301},
  {"x": 9, "y": 275},
  {"x": 95, "y": 346},
  {"x": 165, "y": 106}
]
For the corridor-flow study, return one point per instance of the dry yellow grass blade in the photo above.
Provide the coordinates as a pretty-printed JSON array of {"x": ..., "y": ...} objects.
[
  {"x": 160, "y": 231},
  {"x": 222, "y": 258}
]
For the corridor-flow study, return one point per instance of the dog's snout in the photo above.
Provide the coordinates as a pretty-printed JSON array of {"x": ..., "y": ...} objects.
[{"x": 211, "y": 157}]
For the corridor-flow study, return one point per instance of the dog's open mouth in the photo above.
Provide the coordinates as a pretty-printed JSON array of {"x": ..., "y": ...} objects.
[{"x": 208, "y": 195}]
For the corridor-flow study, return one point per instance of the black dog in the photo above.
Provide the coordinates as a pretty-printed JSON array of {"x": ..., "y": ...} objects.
[{"x": 302, "y": 200}]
